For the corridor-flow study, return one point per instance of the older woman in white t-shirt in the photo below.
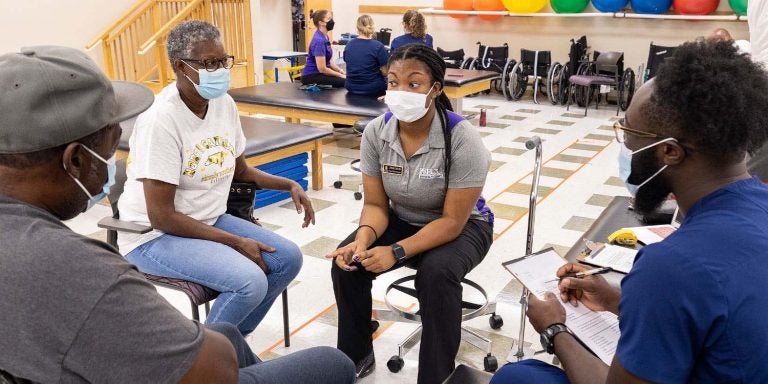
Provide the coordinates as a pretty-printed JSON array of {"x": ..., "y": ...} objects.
[{"x": 185, "y": 152}]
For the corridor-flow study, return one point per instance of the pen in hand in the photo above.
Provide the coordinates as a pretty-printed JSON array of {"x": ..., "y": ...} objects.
[{"x": 580, "y": 275}]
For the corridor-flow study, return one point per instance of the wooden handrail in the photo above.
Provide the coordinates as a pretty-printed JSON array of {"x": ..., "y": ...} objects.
[
  {"x": 147, "y": 45},
  {"x": 98, "y": 39}
]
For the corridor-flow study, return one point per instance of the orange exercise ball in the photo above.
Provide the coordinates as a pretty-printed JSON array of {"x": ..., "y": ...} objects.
[
  {"x": 457, "y": 5},
  {"x": 524, "y": 6},
  {"x": 488, "y": 5}
]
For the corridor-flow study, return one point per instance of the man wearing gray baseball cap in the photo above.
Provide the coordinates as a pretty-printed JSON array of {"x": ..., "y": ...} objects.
[{"x": 72, "y": 309}]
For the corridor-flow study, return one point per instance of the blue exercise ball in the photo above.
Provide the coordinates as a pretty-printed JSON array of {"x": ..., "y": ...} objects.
[
  {"x": 654, "y": 7},
  {"x": 609, "y": 5}
]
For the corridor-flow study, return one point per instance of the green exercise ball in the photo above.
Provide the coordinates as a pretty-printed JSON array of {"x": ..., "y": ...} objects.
[
  {"x": 738, "y": 6},
  {"x": 569, "y": 6}
]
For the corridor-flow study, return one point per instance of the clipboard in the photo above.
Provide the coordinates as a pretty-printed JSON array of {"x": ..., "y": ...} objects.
[
  {"x": 522, "y": 279},
  {"x": 619, "y": 258}
]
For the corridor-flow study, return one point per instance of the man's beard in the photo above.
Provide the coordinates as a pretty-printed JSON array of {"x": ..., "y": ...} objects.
[{"x": 651, "y": 195}]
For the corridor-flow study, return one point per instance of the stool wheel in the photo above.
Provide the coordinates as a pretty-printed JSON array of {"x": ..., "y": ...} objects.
[
  {"x": 337, "y": 184},
  {"x": 374, "y": 326},
  {"x": 395, "y": 363},
  {"x": 495, "y": 321},
  {"x": 489, "y": 363},
  {"x": 358, "y": 196}
]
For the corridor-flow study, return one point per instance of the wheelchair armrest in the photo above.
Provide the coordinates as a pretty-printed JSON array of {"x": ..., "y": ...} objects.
[{"x": 113, "y": 224}]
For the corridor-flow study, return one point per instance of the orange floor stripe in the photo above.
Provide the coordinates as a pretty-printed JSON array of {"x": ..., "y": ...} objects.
[{"x": 323, "y": 312}]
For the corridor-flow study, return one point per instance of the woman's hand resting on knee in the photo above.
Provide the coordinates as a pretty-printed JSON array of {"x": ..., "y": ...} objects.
[
  {"x": 343, "y": 256},
  {"x": 252, "y": 249}
]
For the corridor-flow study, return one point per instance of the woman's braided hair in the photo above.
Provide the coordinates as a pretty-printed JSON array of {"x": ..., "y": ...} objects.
[{"x": 436, "y": 66}]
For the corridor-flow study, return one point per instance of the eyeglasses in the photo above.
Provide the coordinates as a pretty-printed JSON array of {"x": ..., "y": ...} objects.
[
  {"x": 211, "y": 65},
  {"x": 621, "y": 131}
]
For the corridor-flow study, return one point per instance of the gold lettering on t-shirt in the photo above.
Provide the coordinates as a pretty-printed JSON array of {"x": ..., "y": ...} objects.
[{"x": 203, "y": 150}]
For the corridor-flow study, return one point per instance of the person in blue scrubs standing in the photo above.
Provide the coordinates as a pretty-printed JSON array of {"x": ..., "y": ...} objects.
[
  {"x": 366, "y": 60},
  {"x": 415, "y": 31},
  {"x": 320, "y": 69}
]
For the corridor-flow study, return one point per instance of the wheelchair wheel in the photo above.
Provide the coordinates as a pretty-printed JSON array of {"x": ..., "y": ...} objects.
[
  {"x": 553, "y": 83},
  {"x": 627, "y": 89},
  {"x": 518, "y": 82},
  {"x": 467, "y": 63},
  {"x": 565, "y": 86},
  {"x": 581, "y": 95},
  {"x": 506, "y": 77}
]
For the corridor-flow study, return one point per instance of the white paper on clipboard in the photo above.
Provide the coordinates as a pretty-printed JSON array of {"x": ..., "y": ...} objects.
[{"x": 599, "y": 331}]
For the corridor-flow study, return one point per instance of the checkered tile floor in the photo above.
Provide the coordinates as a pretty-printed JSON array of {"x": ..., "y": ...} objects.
[{"x": 578, "y": 179}]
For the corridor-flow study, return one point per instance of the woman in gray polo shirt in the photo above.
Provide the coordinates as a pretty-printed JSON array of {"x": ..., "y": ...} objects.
[{"x": 424, "y": 168}]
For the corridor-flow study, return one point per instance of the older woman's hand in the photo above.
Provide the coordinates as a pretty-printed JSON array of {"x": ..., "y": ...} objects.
[
  {"x": 302, "y": 202},
  {"x": 252, "y": 249}
]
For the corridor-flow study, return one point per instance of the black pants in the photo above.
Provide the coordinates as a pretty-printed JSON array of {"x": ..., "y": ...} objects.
[
  {"x": 319, "y": 78},
  {"x": 438, "y": 289}
]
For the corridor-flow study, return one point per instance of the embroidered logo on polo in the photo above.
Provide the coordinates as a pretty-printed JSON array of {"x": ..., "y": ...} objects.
[
  {"x": 392, "y": 169},
  {"x": 431, "y": 173}
]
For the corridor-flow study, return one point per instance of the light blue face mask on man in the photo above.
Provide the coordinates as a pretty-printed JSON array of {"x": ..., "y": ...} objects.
[
  {"x": 625, "y": 165},
  {"x": 212, "y": 84},
  {"x": 111, "y": 171}
]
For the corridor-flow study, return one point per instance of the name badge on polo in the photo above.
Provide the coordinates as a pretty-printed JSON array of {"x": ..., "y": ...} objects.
[
  {"x": 431, "y": 173},
  {"x": 392, "y": 169}
]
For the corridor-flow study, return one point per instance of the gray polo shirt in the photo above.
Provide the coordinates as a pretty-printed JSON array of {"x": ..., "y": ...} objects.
[{"x": 416, "y": 187}]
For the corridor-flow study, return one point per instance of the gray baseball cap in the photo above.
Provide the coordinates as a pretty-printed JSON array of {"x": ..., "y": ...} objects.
[{"x": 50, "y": 96}]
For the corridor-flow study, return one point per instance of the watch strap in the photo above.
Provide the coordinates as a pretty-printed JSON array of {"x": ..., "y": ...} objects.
[{"x": 552, "y": 331}]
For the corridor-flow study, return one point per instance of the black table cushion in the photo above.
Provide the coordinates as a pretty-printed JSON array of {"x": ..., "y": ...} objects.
[
  {"x": 261, "y": 135},
  {"x": 285, "y": 94}
]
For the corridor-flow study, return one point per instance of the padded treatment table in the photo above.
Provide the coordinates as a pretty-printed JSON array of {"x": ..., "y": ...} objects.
[
  {"x": 336, "y": 105},
  {"x": 286, "y": 99},
  {"x": 463, "y": 82},
  {"x": 266, "y": 141}
]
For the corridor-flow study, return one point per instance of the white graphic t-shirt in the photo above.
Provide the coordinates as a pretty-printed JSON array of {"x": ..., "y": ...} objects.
[
  {"x": 171, "y": 144},
  {"x": 757, "y": 17}
]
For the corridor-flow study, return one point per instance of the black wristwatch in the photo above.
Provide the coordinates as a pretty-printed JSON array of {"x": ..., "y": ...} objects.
[
  {"x": 399, "y": 252},
  {"x": 548, "y": 336}
]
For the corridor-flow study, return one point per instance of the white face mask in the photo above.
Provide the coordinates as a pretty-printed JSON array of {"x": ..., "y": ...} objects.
[{"x": 408, "y": 106}]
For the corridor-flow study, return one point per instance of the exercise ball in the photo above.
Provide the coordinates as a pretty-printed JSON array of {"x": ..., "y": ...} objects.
[
  {"x": 738, "y": 6},
  {"x": 524, "y": 6},
  {"x": 457, "y": 5},
  {"x": 488, "y": 5},
  {"x": 654, "y": 7},
  {"x": 609, "y": 5},
  {"x": 695, "y": 7},
  {"x": 568, "y": 6}
]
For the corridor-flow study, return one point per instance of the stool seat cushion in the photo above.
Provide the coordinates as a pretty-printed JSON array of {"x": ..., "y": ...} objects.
[
  {"x": 585, "y": 80},
  {"x": 197, "y": 293}
]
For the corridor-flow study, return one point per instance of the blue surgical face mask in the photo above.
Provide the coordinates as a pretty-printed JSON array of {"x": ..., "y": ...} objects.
[
  {"x": 212, "y": 84},
  {"x": 111, "y": 171},
  {"x": 625, "y": 165}
]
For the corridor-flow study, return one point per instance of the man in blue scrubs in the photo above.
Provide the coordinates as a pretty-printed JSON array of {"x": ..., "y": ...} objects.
[{"x": 694, "y": 308}]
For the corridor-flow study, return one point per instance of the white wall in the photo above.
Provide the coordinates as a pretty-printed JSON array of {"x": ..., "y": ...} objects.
[
  {"x": 70, "y": 23},
  {"x": 632, "y": 36},
  {"x": 272, "y": 31}
]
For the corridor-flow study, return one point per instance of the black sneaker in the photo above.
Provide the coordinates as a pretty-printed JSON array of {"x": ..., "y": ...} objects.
[{"x": 365, "y": 366}]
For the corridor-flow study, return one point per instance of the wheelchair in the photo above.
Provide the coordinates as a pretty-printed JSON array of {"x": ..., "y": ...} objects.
[
  {"x": 494, "y": 59},
  {"x": 607, "y": 65},
  {"x": 577, "y": 54},
  {"x": 537, "y": 65},
  {"x": 454, "y": 59},
  {"x": 656, "y": 56}
]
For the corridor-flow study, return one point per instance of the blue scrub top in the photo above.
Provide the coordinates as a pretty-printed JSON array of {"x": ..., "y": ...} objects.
[
  {"x": 364, "y": 58},
  {"x": 409, "y": 39},
  {"x": 318, "y": 46},
  {"x": 694, "y": 306}
]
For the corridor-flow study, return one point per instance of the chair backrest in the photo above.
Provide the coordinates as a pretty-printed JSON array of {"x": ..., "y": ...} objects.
[
  {"x": 493, "y": 58},
  {"x": 609, "y": 63},
  {"x": 541, "y": 59},
  {"x": 453, "y": 59},
  {"x": 657, "y": 54},
  {"x": 116, "y": 191},
  {"x": 577, "y": 53},
  {"x": 384, "y": 35}
]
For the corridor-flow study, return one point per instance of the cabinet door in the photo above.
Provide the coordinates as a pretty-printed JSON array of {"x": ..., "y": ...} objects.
[{"x": 312, "y": 5}]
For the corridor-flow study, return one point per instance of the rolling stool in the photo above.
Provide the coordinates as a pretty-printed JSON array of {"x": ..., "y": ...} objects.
[
  {"x": 359, "y": 128},
  {"x": 469, "y": 311}
]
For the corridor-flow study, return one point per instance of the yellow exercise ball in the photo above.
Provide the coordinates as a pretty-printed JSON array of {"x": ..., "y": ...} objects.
[{"x": 524, "y": 6}]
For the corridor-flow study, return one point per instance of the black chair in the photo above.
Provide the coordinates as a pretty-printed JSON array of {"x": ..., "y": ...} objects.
[
  {"x": 494, "y": 59},
  {"x": 533, "y": 64},
  {"x": 656, "y": 56},
  {"x": 577, "y": 54},
  {"x": 453, "y": 59},
  {"x": 607, "y": 69},
  {"x": 384, "y": 35},
  {"x": 198, "y": 294}
]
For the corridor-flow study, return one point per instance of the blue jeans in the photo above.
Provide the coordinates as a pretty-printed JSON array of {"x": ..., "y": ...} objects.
[
  {"x": 529, "y": 371},
  {"x": 246, "y": 292},
  {"x": 316, "y": 365}
]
